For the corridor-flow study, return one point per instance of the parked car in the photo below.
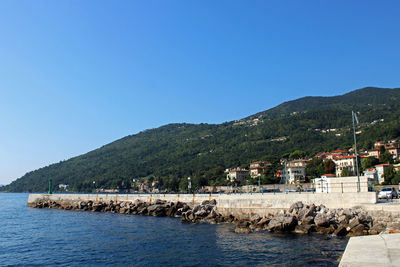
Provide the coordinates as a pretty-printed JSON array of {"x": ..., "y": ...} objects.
[{"x": 388, "y": 192}]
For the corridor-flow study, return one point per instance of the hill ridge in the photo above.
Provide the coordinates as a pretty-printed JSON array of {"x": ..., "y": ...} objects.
[{"x": 174, "y": 151}]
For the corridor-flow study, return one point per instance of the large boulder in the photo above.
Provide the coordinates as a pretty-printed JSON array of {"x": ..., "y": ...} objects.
[
  {"x": 296, "y": 207},
  {"x": 306, "y": 220},
  {"x": 302, "y": 229},
  {"x": 255, "y": 218},
  {"x": 282, "y": 223},
  {"x": 243, "y": 227},
  {"x": 358, "y": 230},
  {"x": 321, "y": 219},
  {"x": 152, "y": 208},
  {"x": 325, "y": 230},
  {"x": 263, "y": 222},
  {"x": 353, "y": 223},
  {"x": 307, "y": 211},
  {"x": 201, "y": 213},
  {"x": 341, "y": 230}
]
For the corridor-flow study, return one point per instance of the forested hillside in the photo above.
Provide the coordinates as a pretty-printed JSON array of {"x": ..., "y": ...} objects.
[{"x": 173, "y": 152}]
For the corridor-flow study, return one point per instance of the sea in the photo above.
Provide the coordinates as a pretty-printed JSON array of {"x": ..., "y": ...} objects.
[{"x": 51, "y": 237}]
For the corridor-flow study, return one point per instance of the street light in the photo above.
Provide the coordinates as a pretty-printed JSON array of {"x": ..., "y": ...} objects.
[
  {"x": 50, "y": 185},
  {"x": 94, "y": 185},
  {"x": 189, "y": 184},
  {"x": 259, "y": 183}
]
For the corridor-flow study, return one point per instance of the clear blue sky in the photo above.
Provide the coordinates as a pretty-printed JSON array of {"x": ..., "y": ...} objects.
[{"x": 75, "y": 75}]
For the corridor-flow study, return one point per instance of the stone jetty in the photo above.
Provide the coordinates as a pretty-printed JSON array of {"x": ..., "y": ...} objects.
[{"x": 299, "y": 218}]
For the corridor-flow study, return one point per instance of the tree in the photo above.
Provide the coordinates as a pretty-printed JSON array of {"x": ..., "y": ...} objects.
[
  {"x": 396, "y": 178},
  {"x": 330, "y": 166},
  {"x": 346, "y": 172},
  {"x": 315, "y": 168},
  {"x": 297, "y": 154},
  {"x": 369, "y": 162},
  {"x": 389, "y": 175},
  {"x": 386, "y": 157}
]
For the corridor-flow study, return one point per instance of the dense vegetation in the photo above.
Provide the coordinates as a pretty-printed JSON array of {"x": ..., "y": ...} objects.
[{"x": 203, "y": 151}]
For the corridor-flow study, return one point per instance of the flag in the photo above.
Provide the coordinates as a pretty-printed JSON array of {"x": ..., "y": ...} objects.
[{"x": 355, "y": 117}]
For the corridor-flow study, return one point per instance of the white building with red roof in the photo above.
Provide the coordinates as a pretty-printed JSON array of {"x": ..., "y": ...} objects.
[
  {"x": 343, "y": 162},
  {"x": 296, "y": 171},
  {"x": 257, "y": 168}
]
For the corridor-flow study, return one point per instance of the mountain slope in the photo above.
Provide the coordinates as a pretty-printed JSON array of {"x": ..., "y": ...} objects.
[{"x": 172, "y": 152}]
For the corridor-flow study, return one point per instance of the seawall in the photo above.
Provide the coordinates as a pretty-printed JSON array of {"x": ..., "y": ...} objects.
[{"x": 238, "y": 205}]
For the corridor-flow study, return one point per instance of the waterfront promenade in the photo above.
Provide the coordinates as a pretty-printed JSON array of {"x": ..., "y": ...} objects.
[{"x": 375, "y": 250}]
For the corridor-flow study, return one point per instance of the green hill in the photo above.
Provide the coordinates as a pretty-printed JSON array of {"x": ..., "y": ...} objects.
[{"x": 173, "y": 152}]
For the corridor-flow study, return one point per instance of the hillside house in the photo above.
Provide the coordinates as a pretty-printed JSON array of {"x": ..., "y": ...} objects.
[
  {"x": 343, "y": 162},
  {"x": 143, "y": 187},
  {"x": 394, "y": 151},
  {"x": 296, "y": 171},
  {"x": 258, "y": 168},
  {"x": 371, "y": 174},
  {"x": 378, "y": 144},
  {"x": 374, "y": 153},
  {"x": 237, "y": 174}
]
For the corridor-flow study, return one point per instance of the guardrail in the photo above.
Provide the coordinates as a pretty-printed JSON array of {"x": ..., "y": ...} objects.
[{"x": 319, "y": 187}]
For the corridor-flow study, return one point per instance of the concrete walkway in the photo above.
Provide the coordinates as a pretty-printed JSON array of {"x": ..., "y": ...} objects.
[{"x": 373, "y": 250}]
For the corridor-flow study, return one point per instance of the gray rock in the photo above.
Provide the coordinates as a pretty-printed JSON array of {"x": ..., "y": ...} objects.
[
  {"x": 254, "y": 219},
  {"x": 296, "y": 206},
  {"x": 358, "y": 230},
  {"x": 302, "y": 229},
  {"x": 321, "y": 219},
  {"x": 340, "y": 231},
  {"x": 343, "y": 219},
  {"x": 325, "y": 230},
  {"x": 307, "y": 220},
  {"x": 282, "y": 223},
  {"x": 306, "y": 212},
  {"x": 201, "y": 213},
  {"x": 353, "y": 223}
]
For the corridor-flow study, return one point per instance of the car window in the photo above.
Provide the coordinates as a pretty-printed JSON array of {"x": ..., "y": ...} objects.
[{"x": 386, "y": 189}]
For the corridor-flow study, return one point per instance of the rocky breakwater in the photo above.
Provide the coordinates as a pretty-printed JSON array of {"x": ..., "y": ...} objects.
[
  {"x": 300, "y": 218},
  {"x": 303, "y": 219},
  {"x": 206, "y": 212}
]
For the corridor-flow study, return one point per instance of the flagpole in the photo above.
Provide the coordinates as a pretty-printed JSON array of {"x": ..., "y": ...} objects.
[{"x": 355, "y": 149}]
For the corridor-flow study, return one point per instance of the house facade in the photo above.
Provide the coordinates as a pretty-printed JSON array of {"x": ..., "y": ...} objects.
[
  {"x": 371, "y": 174},
  {"x": 394, "y": 151},
  {"x": 380, "y": 169},
  {"x": 348, "y": 162},
  {"x": 258, "y": 168},
  {"x": 374, "y": 153},
  {"x": 296, "y": 171},
  {"x": 237, "y": 174}
]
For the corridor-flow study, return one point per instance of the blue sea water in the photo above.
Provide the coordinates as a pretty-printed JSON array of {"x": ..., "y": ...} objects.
[{"x": 49, "y": 237}]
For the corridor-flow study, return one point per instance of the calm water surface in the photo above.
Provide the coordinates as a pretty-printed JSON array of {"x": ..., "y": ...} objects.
[{"x": 44, "y": 237}]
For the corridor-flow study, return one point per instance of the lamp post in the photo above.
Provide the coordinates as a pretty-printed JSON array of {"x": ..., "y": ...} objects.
[
  {"x": 50, "y": 186},
  {"x": 189, "y": 184},
  {"x": 259, "y": 183},
  {"x": 94, "y": 186}
]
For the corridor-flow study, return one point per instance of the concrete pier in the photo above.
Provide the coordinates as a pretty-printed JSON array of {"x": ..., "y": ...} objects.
[{"x": 375, "y": 250}]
